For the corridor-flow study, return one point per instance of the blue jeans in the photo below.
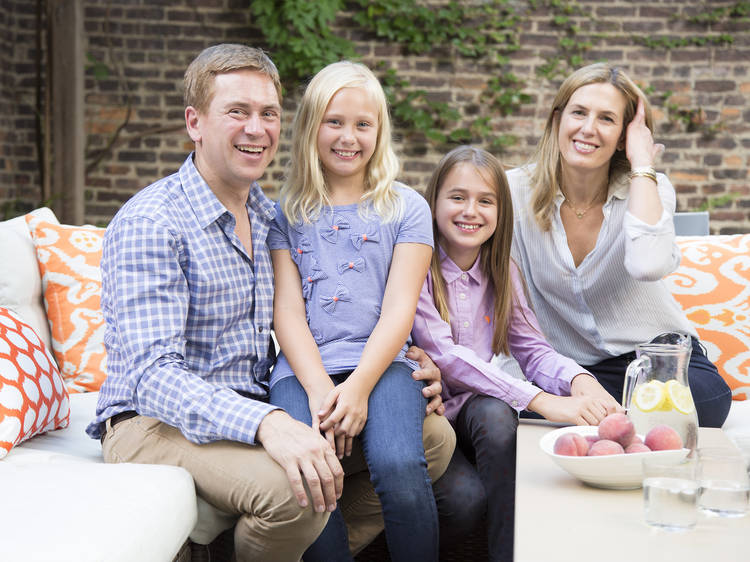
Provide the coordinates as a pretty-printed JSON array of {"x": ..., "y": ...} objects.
[{"x": 392, "y": 446}]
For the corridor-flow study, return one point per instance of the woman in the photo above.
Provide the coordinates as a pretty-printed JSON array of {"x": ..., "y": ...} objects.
[{"x": 594, "y": 235}]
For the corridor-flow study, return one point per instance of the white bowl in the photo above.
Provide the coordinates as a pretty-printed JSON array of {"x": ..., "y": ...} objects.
[{"x": 616, "y": 472}]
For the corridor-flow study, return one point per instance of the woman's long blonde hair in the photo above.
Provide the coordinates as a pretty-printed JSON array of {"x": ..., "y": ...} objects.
[
  {"x": 304, "y": 193},
  {"x": 546, "y": 177},
  {"x": 495, "y": 251}
]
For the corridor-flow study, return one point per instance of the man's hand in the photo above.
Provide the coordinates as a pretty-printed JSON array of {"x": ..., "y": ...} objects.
[
  {"x": 429, "y": 372},
  {"x": 302, "y": 452}
]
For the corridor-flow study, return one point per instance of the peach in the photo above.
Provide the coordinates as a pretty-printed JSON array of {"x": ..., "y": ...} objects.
[
  {"x": 637, "y": 448},
  {"x": 617, "y": 427},
  {"x": 636, "y": 439},
  {"x": 663, "y": 438},
  {"x": 605, "y": 447},
  {"x": 591, "y": 439},
  {"x": 571, "y": 444}
]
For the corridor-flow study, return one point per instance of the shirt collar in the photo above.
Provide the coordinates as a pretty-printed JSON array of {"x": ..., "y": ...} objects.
[
  {"x": 451, "y": 272},
  {"x": 206, "y": 205}
]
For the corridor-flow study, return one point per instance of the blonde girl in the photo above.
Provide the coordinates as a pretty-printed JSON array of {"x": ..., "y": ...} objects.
[
  {"x": 350, "y": 249},
  {"x": 471, "y": 307}
]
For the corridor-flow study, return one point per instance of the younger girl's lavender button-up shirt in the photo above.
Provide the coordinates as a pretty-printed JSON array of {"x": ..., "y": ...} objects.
[{"x": 463, "y": 349}]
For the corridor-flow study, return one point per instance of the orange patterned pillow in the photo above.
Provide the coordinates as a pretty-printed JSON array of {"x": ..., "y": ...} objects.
[
  {"x": 68, "y": 258},
  {"x": 712, "y": 285},
  {"x": 33, "y": 398}
]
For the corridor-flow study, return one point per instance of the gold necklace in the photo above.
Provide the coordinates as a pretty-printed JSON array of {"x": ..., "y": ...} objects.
[{"x": 579, "y": 214}]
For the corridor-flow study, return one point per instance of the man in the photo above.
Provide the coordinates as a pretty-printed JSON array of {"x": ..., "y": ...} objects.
[{"x": 187, "y": 292}]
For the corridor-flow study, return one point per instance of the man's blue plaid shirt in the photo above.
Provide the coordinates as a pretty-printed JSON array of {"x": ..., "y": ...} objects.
[{"x": 188, "y": 313}]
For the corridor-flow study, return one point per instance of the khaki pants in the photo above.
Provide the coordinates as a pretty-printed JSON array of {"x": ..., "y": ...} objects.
[{"x": 242, "y": 479}]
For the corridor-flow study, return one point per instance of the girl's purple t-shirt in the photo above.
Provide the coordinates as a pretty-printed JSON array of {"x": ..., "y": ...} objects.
[{"x": 344, "y": 259}]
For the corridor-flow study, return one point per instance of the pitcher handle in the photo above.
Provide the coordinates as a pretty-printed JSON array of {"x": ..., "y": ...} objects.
[{"x": 635, "y": 368}]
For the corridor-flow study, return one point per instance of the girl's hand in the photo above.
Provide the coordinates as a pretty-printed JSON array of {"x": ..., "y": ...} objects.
[
  {"x": 315, "y": 399},
  {"x": 586, "y": 385},
  {"x": 640, "y": 148},
  {"x": 345, "y": 411},
  {"x": 577, "y": 410}
]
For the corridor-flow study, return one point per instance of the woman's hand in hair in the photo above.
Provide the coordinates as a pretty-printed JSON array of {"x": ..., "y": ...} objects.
[{"x": 640, "y": 148}]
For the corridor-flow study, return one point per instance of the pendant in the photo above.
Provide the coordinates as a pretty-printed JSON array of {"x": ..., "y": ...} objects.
[{"x": 579, "y": 215}]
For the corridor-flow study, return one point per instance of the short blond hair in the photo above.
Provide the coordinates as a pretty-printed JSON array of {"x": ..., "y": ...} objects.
[
  {"x": 220, "y": 59},
  {"x": 304, "y": 193},
  {"x": 546, "y": 177}
]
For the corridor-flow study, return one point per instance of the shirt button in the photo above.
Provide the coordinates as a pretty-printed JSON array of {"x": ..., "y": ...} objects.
[
  {"x": 463, "y": 277},
  {"x": 466, "y": 324},
  {"x": 462, "y": 296},
  {"x": 514, "y": 403},
  {"x": 260, "y": 329}
]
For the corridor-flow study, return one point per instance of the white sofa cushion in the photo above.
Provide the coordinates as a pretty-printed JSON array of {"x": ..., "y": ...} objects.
[
  {"x": 58, "y": 507},
  {"x": 73, "y": 442},
  {"x": 20, "y": 282}
]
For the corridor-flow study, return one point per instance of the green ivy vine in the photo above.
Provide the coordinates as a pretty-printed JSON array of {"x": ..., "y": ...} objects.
[{"x": 298, "y": 33}]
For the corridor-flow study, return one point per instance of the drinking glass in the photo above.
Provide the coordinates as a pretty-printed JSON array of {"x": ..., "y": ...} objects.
[
  {"x": 670, "y": 493},
  {"x": 724, "y": 483}
]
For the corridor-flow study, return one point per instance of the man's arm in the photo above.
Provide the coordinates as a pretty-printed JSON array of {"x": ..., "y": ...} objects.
[{"x": 145, "y": 300}]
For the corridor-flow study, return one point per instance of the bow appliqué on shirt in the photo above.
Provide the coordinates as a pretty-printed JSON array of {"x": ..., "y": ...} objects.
[
  {"x": 314, "y": 274},
  {"x": 331, "y": 233},
  {"x": 303, "y": 246},
  {"x": 372, "y": 235},
  {"x": 356, "y": 264},
  {"x": 341, "y": 295}
]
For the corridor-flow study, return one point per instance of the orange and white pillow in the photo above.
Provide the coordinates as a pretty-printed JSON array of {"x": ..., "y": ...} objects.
[
  {"x": 68, "y": 258},
  {"x": 33, "y": 398},
  {"x": 712, "y": 285}
]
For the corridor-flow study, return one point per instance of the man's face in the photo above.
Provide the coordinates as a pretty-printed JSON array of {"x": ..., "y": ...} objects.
[{"x": 236, "y": 137}]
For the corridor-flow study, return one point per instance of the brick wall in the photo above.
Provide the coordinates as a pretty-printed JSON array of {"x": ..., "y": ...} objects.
[
  {"x": 19, "y": 180},
  {"x": 146, "y": 44}
]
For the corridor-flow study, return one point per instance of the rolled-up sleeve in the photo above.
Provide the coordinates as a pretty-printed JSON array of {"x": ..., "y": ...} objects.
[{"x": 650, "y": 250}]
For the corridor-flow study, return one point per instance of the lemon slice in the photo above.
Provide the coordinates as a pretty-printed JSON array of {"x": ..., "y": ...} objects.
[
  {"x": 680, "y": 396},
  {"x": 650, "y": 396}
]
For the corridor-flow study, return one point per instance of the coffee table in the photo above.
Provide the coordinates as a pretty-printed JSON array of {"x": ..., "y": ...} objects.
[{"x": 560, "y": 519}]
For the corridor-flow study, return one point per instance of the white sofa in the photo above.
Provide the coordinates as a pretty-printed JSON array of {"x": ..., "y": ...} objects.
[{"x": 61, "y": 502}]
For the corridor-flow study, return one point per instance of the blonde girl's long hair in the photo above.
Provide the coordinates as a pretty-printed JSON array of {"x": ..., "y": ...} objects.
[
  {"x": 546, "y": 176},
  {"x": 495, "y": 251},
  {"x": 304, "y": 193}
]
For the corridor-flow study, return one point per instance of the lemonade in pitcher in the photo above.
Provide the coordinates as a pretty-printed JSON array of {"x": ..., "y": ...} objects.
[
  {"x": 655, "y": 402},
  {"x": 656, "y": 388}
]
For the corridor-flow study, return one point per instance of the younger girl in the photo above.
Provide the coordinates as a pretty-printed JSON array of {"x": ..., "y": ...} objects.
[
  {"x": 350, "y": 251},
  {"x": 472, "y": 306}
]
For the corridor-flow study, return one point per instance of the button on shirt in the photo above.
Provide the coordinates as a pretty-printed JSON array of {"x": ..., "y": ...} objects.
[
  {"x": 463, "y": 348},
  {"x": 188, "y": 313},
  {"x": 616, "y": 297}
]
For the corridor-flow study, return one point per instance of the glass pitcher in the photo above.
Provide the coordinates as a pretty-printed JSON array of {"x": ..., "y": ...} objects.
[{"x": 656, "y": 389}]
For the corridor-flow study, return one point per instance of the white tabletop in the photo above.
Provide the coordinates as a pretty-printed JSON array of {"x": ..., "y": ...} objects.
[{"x": 560, "y": 519}]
